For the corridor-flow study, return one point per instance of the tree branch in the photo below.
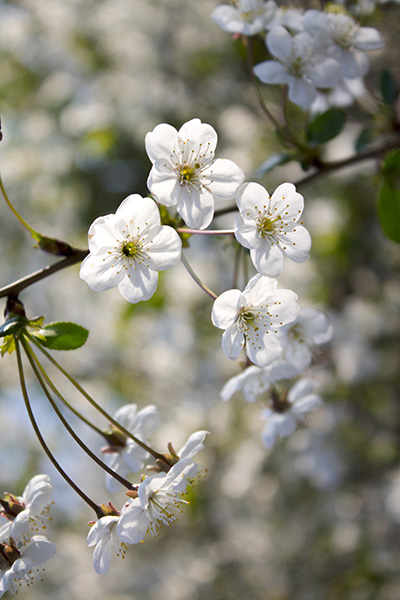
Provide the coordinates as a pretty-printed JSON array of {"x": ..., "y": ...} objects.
[{"x": 16, "y": 287}]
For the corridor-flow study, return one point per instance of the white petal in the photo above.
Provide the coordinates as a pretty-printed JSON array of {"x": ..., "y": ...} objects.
[
  {"x": 277, "y": 426},
  {"x": 262, "y": 350},
  {"x": 368, "y": 38},
  {"x": 193, "y": 445},
  {"x": 301, "y": 388},
  {"x": 306, "y": 404},
  {"x": 165, "y": 249},
  {"x": 280, "y": 43},
  {"x": 288, "y": 203},
  {"x": 301, "y": 91},
  {"x": 133, "y": 523},
  {"x": 138, "y": 212},
  {"x": 285, "y": 309},
  {"x": 232, "y": 342},
  {"x": 226, "y": 309},
  {"x": 316, "y": 324},
  {"x": 271, "y": 71},
  {"x": 141, "y": 284},
  {"x": 39, "y": 550},
  {"x": 267, "y": 259},
  {"x": 161, "y": 141},
  {"x": 196, "y": 207},
  {"x": 295, "y": 244},
  {"x": 163, "y": 183},
  {"x": 224, "y": 177},
  {"x": 198, "y": 136},
  {"x": 246, "y": 232},
  {"x": 101, "y": 272},
  {"x": 102, "y": 234},
  {"x": 102, "y": 556}
]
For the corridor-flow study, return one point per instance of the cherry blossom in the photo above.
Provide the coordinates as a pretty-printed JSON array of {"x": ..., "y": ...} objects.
[
  {"x": 299, "y": 65},
  {"x": 254, "y": 381},
  {"x": 185, "y": 172},
  {"x": 311, "y": 328},
  {"x": 340, "y": 36},
  {"x": 27, "y": 513},
  {"x": 123, "y": 454},
  {"x": 128, "y": 248},
  {"x": 20, "y": 564},
  {"x": 269, "y": 226},
  {"x": 159, "y": 502},
  {"x": 284, "y": 415},
  {"x": 251, "y": 319},
  {"x": 245, "y": 16},
  {"x": 104, "y": 536}
]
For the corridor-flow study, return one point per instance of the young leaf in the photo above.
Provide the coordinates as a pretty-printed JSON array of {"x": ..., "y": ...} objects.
[
  {"x": 8, "y": 345},
  {"x": 389, "y": 209},
  {"x": 62, "y": 336},
  {"x": 271, "y": 162},
  {"x": 325, "y": 126}
]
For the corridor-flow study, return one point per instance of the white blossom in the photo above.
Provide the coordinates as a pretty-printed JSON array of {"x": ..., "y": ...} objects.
[
  {"x": 104, "y": 536},
  {"x": 269, "y": 226},
  {"x": 340, "y": 36},
  {"x": 28, "y": 513},
  {"x": 247, "y": 17},
  {"x": 311, "y": 328},
  {"x": 282, "y": 420},
  {"x": 342, "y": 95},
  {"x": 128, "y": 248},
  {"x": 299, "y": 65},
  {"x": 21, "y": 564},
  {"x": 159, "y": 502},
  {"x": 251, "y": 319},
  {"x": 126, "y": 456},
  {"x": 185, "y": 172},
  {"x": 254, "y": 381}
]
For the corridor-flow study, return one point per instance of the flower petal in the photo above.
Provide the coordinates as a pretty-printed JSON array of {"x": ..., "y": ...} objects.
[
  {"x": 226, "y": 309},
  {"x": 138, "y": 284}
]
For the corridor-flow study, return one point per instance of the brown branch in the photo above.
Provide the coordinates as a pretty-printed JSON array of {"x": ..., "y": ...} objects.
[{"x": 16, "y": 287}]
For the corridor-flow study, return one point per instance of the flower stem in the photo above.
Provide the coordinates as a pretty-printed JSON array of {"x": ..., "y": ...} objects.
[
  {"x": 153, "y": 453},
  {"x": 33, "y": 233},
  {"x": 197, "y": 279},
  {"x": 40, "y": 438},
  {"x": 206, "y": 231},
  {"x": 35, "y": 367}
]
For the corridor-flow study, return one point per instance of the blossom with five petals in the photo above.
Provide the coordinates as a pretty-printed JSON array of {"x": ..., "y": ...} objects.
[
  {"x": 185, "y": 172},
  {"x": 251, "y": 319},
  {"x": 20, "y": 563},
  {"x": 128, "y": 248},
  {"x": 298, "y": 64},
  {"x": 269, "y": 226},
  {"x": 245, "y": 16}
]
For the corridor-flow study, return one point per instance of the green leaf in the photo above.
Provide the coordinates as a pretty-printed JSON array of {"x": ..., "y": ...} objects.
[
  {"x": 8, "y": 345},
  {"x": 13, "y": 326},
  {"x": 389, "y": 209},
  {"x": 325, "y": 126},
  {"x": 272, "y": 162},
  {"x": 62, "y": 336},
  {"x": 363, "y": 140},
  {"x": 388, "y": 88},
  {"x": 391, "y": 165}
]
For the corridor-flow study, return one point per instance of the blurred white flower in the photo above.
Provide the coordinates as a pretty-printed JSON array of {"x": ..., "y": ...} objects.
[
  {"x": 159, "y": 502},
  {"x": 185, "y": 172},
  {"x": 285, "y": 414},
  {"x": 104, "y": 536},
  {"x": 125, "y": 456},
  {"x": 311, "y": 328},
  {"x": 27, "y": 513},
  {"x": 20, "y": 564},
  {"x": 299, "y": 65},
  {"x": 269, "y": 226},
  {"x": 128, "y": 249},
  {"x": 251, "y": 319},
  {"x": 253, "y": 381},
  {"x": 339, "y": 36},
  {"x": 245, "y": 16}
]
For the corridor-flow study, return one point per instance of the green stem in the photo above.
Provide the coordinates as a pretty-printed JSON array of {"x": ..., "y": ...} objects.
[
  {"x": 197, "y": 279},
  {"x": 40, "y": 438},
  {"x": 206, "y": 231},
  {"x": 153, "y": 453},
  {"x": 33, "y": 360},
  {"x": 33, "y": 233}
]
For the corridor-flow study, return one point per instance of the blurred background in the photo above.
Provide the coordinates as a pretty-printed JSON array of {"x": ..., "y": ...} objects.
[{"x": 82, "y": 82}]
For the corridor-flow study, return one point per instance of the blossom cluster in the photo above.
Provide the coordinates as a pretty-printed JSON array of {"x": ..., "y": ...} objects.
[
  {"x": 23, "y": 548},
  {"x": 129, "y": 248},
  {"x": 156, "y": 500},
  {"x": 321, "y": 56}
]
